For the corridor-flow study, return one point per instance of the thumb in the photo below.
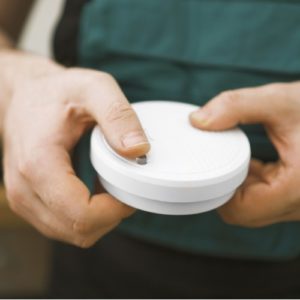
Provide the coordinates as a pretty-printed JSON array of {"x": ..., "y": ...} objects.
[
  {"x": 118, "y": 121},
  {"x": 242, "y": 106}
]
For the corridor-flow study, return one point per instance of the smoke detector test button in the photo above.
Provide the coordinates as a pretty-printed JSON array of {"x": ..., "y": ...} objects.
[{"x": 187, "y": 170}]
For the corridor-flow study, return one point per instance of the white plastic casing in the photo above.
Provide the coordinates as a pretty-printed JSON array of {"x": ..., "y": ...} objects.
[{"x": 188, "y": 170}]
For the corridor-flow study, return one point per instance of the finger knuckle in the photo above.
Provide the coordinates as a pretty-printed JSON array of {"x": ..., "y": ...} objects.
[
  {"x": 100, "y": 75},
  {"x": 81, "y": 226},
  {"x": 28, "y": 165},
  {"x": 88, "y": 77},
  {"x": 104, "y": 76},
  {"x": 84, "y": 243},
  {"x": 96, "y": 77},
  {"x": 241, "y": 220},
  {"x": 51, "y": 229},
  {"x": 14, "y": 197},
  {"x": 230, "y": 219},
  {"x": 119, "y": 111},
  {"x": 230, "y": 98}
]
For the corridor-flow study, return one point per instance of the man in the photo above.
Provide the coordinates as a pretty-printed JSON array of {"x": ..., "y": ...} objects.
[{"x": 243, "y": 56}]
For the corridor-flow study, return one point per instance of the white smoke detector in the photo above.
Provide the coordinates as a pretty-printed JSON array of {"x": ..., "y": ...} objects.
[{"x": 187, "y": 170}]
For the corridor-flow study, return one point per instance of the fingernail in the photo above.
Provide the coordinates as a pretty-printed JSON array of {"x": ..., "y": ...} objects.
[
  {"x": 201, "y": 117},
  {"x": 134, "y": 139}
]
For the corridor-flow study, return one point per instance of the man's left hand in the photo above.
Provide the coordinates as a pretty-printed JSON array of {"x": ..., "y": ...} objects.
[{"x": 271, "y": 192}]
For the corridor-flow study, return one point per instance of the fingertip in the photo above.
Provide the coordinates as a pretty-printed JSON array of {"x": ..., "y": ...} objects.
[
  {"x": 218, "y": 120},
  {"x": 130, "y": 145},
  {"x": 199, "y": 120},
  {"x": 135, "y": 150}
]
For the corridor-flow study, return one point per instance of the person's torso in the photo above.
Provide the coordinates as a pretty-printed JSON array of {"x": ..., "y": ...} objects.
[{"x": 189, "y": 51}]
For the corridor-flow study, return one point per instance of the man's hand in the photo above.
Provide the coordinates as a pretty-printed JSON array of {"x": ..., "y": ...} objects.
[
  {"x": 271, "y": 193},
  {"x": 44, "y": 119}
]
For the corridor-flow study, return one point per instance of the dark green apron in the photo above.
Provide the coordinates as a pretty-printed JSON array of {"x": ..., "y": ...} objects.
[{"x": 189, "y": 51}]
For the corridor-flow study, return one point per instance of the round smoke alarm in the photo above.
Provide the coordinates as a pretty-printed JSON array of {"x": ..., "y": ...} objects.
[{"x": 187, "y": 170}]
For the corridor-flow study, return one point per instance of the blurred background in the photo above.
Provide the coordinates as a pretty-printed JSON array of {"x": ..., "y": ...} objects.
[{"x": 25, "y": 256}]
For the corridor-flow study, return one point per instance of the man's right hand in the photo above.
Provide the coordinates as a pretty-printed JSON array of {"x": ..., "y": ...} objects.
[{"x": 44, "y": 117}]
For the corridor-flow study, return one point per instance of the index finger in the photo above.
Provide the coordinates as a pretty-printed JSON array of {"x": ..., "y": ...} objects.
[
  {"x": 53, "y": 179},
  {"x": 264, "y": 197}
]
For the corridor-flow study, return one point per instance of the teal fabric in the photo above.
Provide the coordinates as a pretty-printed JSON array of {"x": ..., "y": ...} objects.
[{"x": 189, "y": 51}]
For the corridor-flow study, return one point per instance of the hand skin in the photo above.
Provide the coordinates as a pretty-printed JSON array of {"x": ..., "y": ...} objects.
[
  {"x": 44, "y": 110},
  {"x": 271, "y": 192},
  {"x": 47, "y": 109}
]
